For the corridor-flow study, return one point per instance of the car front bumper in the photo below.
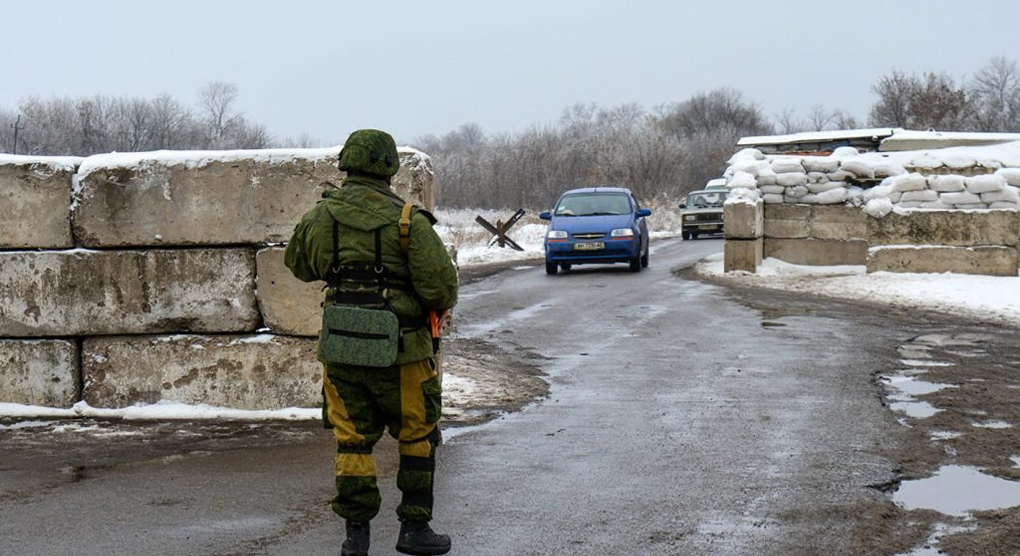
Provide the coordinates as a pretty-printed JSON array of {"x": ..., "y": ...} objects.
[
  {"x": 703, "y": 227},
  {"x": 614, "y": 251}
]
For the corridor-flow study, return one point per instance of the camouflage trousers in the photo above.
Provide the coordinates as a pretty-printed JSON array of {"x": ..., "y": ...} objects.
[{"x": 359, "y": 403}]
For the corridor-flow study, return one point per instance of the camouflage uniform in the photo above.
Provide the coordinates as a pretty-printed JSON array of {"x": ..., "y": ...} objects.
[{"x": 359, "y": 402}]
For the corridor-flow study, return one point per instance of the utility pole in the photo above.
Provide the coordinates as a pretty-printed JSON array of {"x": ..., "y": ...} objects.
[{"x": 16, "y": 122}]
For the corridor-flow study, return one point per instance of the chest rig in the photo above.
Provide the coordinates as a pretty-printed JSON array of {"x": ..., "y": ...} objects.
[{"x": 359, "y": 326}]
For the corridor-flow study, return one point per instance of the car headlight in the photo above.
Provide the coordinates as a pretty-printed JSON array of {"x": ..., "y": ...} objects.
[
  {"x": 556, "y": 234},
  {"x": 622, "y": 232},
  {"x": 690, "y": 218}
]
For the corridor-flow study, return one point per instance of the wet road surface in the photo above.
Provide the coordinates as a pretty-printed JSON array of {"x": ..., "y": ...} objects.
[{"x": 682, "y": 419}]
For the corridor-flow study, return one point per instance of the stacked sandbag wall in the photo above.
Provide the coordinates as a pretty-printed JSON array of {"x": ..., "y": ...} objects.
[
  {"x": 147, "y": 277},
  {"x": 949, "y": 210}
]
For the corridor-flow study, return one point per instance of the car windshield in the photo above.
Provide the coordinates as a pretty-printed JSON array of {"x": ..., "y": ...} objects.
[
  {"x": 593, "y": 204},
  {"x": 706, "y": 199}
]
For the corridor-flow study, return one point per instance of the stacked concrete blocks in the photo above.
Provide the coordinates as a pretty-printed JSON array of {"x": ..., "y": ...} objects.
[
  {"x": 815, "y": 234},
  {"x": 175, "y": 288},
  {"x": 743, "y": 250},
  {"x": 964, "y": 242}
]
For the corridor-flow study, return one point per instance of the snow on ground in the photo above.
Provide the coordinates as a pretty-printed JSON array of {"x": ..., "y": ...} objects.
[
  {"x": 990, "y": 298},
  {"x": 162, "y": 410}
]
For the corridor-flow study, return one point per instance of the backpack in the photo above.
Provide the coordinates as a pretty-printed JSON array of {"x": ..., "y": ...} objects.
[{"x": 360, "y": 328}]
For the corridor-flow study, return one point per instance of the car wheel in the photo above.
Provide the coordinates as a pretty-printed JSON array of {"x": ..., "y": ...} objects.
[
  {"x": 565, "y": 266},
  {"x": 635, "y": 264},
  {"x": 685, "y": 235},
  {"x": 644, "y": 259},
  {"x": 551, "y": 268},
  {"x": 694, "y": 235}
]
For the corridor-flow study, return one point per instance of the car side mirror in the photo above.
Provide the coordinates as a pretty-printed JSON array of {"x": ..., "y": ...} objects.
[
  {"x": 683, "y": 205},
  {"x": 545, "y": 216},
  {"x": 641, "y": 213}
]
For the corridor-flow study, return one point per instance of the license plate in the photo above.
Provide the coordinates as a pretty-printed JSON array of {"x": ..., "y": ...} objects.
[
  {"x": 589, "y": 246},
  {"x": 707, "y": 227}
]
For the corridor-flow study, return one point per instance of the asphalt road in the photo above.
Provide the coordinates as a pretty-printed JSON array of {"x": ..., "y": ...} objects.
[{"x": 683, "y": 419}]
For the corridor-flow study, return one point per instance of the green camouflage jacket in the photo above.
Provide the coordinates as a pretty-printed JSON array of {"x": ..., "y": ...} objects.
[{"x": 362, "y": 205}]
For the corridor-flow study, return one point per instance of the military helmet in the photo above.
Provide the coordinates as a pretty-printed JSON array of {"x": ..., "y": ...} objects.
[{"x": 370, "y": 151}]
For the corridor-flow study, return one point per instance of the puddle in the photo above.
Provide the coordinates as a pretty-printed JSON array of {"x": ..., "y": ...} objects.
[
  {"x": 472, "y": 295},
  {"x": 917, "y": 410},
  {"x": 956, "y": 490},
  {"x": 943, "y": 340},
  {"x": 904, "y": 387},
  {"x": 945, "y": 435},
  {"x": 994, "y": 425},
  {"x": 26, "y": 425},
  {"x": 930, "y": 547},
  {"x": 912, "y": 387},
  {"x": 770, "y": 324},
  {"x": 925, "y": 363}
]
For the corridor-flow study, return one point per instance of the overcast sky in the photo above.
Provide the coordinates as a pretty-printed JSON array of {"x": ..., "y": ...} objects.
[{"x": 415, "y": 68}]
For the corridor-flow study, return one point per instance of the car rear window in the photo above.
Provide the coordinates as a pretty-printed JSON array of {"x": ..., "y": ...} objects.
[{"x": 592, "y": 204}]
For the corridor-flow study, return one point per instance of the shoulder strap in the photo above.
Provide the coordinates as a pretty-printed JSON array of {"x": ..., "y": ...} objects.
[
  {"x": 333, "y": 274},
  {"x": 405, "y": 228}
]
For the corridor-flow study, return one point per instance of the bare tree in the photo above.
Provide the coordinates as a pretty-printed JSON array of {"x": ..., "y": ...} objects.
[
  {"x": 931, "y": 101},
  {"x": 216, "y": 101},
  {"x": 820, "y": 119},
  {"x": 892, "y": 108},
  {"x": 707, "y": 113},
  {"x": 302, "y": 141},
  {"x": 845, "y": 120},
  {"x": 995, "y": 90},
  {"x": 938, "y": 103},
  {"x": 788, "y": 122},
  {"x": 170, "y": 121}
]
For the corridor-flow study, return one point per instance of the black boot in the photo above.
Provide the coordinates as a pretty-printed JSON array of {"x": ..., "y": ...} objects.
[
  {"x": 416, "y": 537},
  {"x": 357, "y": 539}
]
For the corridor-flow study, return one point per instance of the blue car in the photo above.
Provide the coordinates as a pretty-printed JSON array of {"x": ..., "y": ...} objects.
[{"x": 596, "y": 225}]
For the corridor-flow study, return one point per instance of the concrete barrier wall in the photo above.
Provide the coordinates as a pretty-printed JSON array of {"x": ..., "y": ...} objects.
[
  {"x": 141, "y": 277},
  {"x": 919, "y": 212}
]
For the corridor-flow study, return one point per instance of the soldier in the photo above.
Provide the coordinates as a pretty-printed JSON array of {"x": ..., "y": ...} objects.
[{"x": 386, "y": 269}]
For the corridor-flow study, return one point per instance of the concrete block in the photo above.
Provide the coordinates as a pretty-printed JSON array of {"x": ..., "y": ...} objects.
[
  {"x": 243, "y": 372},
  {"x": 993, "y": 261},
  {"x": 953, "y": 228},
  {"x": 743, "y": 220},
  {"x": 39, "y": 372},
  {"x": 415, "y": 180},
  {"x": 288, "y": 305},
  {"x": 817, "y": 252},
  {"x": 82, "y": 292},
  {"x": 35, "y": 201},
  {"x": 742, "y": 255},
  {"x": 215, "y": 197},
  {"x": 838, "y": 222},
  {"x": 200, "y": 198},
  {"x": 787, "y": 212},
  {"x": 786, "y": 229}
]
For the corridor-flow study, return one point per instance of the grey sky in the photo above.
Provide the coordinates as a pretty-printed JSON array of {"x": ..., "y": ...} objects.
[{"x": 414, "y": 68}]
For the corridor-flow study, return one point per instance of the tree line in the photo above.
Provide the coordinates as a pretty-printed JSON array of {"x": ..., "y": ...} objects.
[
  {"x": 677, "y": 147},
  {"x": 663, "y": 152},
  {"x": 99, "y": 124}
]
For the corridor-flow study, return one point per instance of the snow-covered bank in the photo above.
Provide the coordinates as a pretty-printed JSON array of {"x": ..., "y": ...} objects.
[
  {"x": 160, "y": 411},
  {"x": 988, "y": 298}
]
